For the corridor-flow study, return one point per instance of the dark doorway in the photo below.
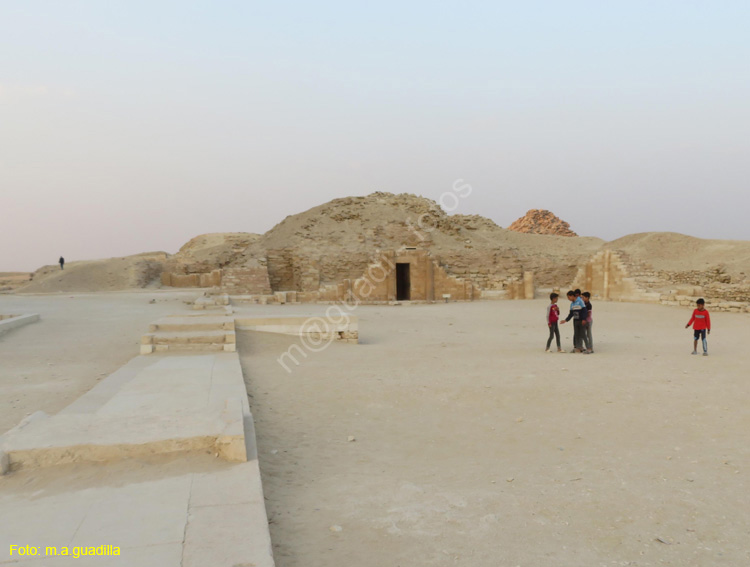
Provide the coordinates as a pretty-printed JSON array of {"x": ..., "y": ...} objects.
[{"x": 403, "y": 282}]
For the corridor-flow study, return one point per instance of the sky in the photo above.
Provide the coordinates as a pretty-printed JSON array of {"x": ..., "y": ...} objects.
[{"x": 134, "y": 126}]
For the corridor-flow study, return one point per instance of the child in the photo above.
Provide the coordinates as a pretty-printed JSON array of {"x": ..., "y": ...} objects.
[
  {"x": 589, "y": 321},
  {"x": 553, "y": 316},
  {"x": 702, "y": 321},
  {"x": 579, "y": 314}
]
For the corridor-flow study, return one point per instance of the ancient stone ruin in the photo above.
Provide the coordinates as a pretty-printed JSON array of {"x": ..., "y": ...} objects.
[
  {"x": 379, "y": 248},
  {"x": 384, "y": 248},
  {"x": 541, "y": 221}
]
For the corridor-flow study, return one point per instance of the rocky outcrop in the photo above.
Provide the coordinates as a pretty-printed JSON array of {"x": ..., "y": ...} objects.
[{"x": 540, "y": 221}]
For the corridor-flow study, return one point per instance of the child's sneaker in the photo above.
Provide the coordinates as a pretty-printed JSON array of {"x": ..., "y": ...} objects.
[
  {"x": 705, "y": 354},
  {"x": 546, "y": 350},
  {"x": 561, "y": 350},
  {"x": 694, "y": 352}
]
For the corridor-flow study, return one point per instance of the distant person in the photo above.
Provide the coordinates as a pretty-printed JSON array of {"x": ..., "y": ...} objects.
[
  {"x": 62, "y": 263},
  {"x": 553, "y": 316},
  {"x": 701, "y": 322},
  {"x": 579, "y": 314},
  {"x": 589, "y": 321}
]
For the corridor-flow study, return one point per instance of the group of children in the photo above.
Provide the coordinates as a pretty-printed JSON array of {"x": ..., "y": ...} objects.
[{"x": 581, "y": 314}]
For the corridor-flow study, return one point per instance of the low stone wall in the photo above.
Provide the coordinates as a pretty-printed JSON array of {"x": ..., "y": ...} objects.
[
  {"x": 249, "y": 280},
  {"x": 10, "y": 322},
  {"x": 607, "y": 276},
  {"x": 210, "y": 279},
  {"x": 712, "y": 304},
  {"x": 522, "y": 289}
]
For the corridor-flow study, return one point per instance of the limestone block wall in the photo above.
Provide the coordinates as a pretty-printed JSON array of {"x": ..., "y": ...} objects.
[
  {"x": 523, "y": 288},
  {"x": 429, "y": 280},
  {"x": 282, "y": 271},
  {"x": 247, "y": 280},
  {"x": 289, "y": 271},
  {"x": 500, "y": 273},
  {"x": 712, "y": 303},
  {"x": 338, "y": 267},
  {"x": 611, "y": 274},
  {"x": 486, "y": 272},
  {"x": 210, "y": 279},
  {"x": 458, "y": 288},
  {"x": 606, "y": 276},
  {"x": 376, "y": 282}
]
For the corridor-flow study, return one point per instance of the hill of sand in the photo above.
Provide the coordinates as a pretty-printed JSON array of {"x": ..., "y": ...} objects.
[
  {"x": 112, "y": 274},
  {"x": 340, "y": 236},
  {"x": 675, "y": 252},
  {"x": 10, "y": 281},
  {"x": 385, "y": 220},
  {"x": 210, "y": 251}
]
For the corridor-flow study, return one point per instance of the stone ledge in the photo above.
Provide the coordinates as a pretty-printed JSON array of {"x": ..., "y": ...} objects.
[
  {"x": 163, "y": 405},
  {"x": 16, "y": 321}
]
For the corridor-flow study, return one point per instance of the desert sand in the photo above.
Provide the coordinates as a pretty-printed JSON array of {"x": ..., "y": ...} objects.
[
  {"x": 471, "y": 445},
  {"x": 10, "y": 281}
]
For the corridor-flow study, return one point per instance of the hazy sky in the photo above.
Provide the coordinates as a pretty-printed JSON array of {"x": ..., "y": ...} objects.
[{"x": 133, "y": 126}]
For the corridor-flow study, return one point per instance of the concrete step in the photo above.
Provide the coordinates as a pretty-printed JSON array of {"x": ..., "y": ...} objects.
[
  {"x": 189, "y": 337},
  {"x": 157, "y": 405},
  {"x": 176, "y": 347},
  {"x": 194, "y": 323},
  {"x": 162, "y": 341}
]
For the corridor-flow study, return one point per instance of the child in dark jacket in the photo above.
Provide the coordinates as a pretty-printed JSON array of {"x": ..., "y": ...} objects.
[
  {"x": 579, "y": 314},
  {"x": 590, "y": 320}
]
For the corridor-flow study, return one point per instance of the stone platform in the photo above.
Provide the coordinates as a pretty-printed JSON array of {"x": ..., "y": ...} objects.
[
  {"x": 152, "y": 405},
  {"x": 196, "y": 332},
  {"x": 213, "y": 517},
  {"x": 10, "y": 322},
  {"x": 140, "y": 464}
]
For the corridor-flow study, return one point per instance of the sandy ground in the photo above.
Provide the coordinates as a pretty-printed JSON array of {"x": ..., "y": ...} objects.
[
  {"x": 80, "y": 339},
  {"x": 475, "y": 448},
  {"x": 12, "y": 280}
]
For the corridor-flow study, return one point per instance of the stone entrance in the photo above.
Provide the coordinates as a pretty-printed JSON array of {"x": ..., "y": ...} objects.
[{"x": 403, "y": 282}]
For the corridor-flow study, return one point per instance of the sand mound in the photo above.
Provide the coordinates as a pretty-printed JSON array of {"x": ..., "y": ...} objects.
[
  {"x": 346, "y": 232},
  {"x": 10, "y": 281},
  {"x": 385, "y": 220},
  {"x": 540, "y": 221},
  {"x": 675, "y": 252},
  {"x": 111, "y": 274},
  {"x": 210, "y": 251}
]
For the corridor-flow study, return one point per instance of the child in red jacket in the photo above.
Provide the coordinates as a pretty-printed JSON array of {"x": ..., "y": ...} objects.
[
  {"x": 553, "y": 316},
  {"x": 701, "y": 322}
]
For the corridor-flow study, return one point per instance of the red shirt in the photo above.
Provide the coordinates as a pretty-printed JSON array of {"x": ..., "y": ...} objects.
[
  {"x": 702, "y": 320},
  {"x": 553, "y": 313}
]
